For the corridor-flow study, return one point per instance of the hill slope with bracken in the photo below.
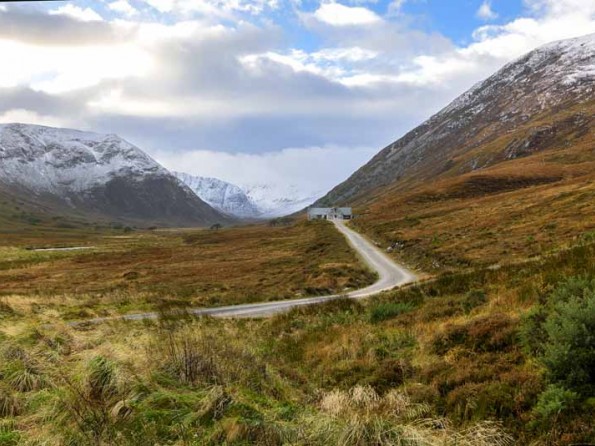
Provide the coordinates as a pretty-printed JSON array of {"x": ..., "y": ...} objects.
[
  {"x": 64, "y": 171},
  {"x": 505, "y": 171}
]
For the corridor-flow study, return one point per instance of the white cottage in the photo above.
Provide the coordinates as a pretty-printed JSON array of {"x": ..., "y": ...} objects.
[{"x": 330, "y": 214}]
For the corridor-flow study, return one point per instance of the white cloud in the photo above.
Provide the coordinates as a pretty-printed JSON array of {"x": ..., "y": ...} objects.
[
  {"x": 78, "y": 13},
  {"x": 58, "y": 69},
  {"x": 336, "y": 14},
  {"x": 21, "y": 115},
  {"x": 330, "y": 63},
  {"x": 123, "y": 7},
  {"x": 213, "y": 8},
  {"x": 485, "y": 11}
]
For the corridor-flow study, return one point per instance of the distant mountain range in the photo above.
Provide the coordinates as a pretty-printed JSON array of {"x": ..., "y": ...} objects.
[
  {"x": 85, "y": 174},
  {"x": 99, "y": 176},
  {"x": 248, "y": 201}
]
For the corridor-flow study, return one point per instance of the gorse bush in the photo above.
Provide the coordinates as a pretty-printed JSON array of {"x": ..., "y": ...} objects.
[{"x": 569, "y": 353}]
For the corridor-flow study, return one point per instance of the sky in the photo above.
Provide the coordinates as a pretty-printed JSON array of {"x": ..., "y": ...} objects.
[{"x": 288, "y": 92}]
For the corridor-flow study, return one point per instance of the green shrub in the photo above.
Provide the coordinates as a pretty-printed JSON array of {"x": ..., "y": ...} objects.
[
  {"x": 561, "y": 334},
  {"x": 553, "y": 401},
  {"x": 569, "y": 353},
  {"x": 388, "y": 310}
]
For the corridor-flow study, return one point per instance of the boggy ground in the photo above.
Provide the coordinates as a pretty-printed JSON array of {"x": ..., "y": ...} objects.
[{"x": 132, "y": 270}]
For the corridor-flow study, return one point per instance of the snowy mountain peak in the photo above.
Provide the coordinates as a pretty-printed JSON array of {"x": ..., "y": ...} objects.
[
  {"x": 262, "y": 200},
  {"x": 99, "y": 175},
  {"x": 552, "y": 71},
  {"x": 56, "y": 160},
  {"x": 223, "y": 196}
]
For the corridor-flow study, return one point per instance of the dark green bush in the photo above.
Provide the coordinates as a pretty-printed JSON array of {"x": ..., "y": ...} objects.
[
  {"x": 553, "y": 401},
  {"x": 569, "y": 353},
  {"x": 561, "y": 333}
]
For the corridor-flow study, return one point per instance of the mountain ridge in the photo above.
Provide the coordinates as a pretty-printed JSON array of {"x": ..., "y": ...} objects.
[
  {"x": 548, "y": 78},
  {"x": 102, "y": 176}
]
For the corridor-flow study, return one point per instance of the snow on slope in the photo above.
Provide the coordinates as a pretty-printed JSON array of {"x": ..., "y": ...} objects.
[
  {"x": 261, "y": 200},
  {"x": 552, "y": 77},
  {"x": 223, "y": 196},
  {"x": 278, "y": 200},
  {"x": 101, "y": 176},
  {"x": 57, "y": 161}
]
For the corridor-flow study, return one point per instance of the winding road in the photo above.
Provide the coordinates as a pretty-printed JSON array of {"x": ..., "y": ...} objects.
[{"x": 390, "y": 275}]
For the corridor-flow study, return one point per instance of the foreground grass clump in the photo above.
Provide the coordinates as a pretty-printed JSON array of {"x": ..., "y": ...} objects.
[{"x": 203, "y": 383}]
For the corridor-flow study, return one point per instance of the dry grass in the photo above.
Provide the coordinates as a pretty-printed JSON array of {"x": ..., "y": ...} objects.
[{"x": 191, "y": 267}]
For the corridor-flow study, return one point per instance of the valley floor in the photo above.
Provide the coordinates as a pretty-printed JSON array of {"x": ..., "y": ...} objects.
[
  {"x": 478, "y": 356},
  {"x": 134, "y": 270}
]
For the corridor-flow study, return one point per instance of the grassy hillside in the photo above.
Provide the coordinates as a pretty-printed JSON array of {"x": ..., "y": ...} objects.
[{"x": 515, "y": 209}]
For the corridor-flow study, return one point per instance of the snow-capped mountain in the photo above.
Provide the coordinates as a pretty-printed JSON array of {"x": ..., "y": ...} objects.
[
  {"x": 278, "y": 200},
  {"x": 60, "y": 161},
  {"x": 223, "y": 196},
  {"x": 547, "y": 80},
  {"x": 260, "y": 200},
  {"x": 102, "y": 175}
]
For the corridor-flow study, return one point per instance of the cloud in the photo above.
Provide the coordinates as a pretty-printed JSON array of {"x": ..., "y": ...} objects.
[
  {"x": 28, "y": 116},
  {"x": 395, "y": 6},
  {"x": 213, "y": 8},
  {"x": 123, "y": 7},
  {"x": 43, "y": 30},
  {"x": 485, "y": 11},
  {"x": 313, "y": 170},
  {"x": 82, "y": 14},
  {"x": 336, "y": 14}
]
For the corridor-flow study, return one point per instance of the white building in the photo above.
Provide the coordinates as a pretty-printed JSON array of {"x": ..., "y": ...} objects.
[{"x": 330, "y": 214}]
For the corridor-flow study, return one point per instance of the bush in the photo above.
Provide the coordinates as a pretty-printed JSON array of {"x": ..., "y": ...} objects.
[
  {"x": 569, "y": 353},
  {"x": 553, "y": 401},
  {"x": 560, "y": 334},
  {"x": 388, "y": 310}
]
